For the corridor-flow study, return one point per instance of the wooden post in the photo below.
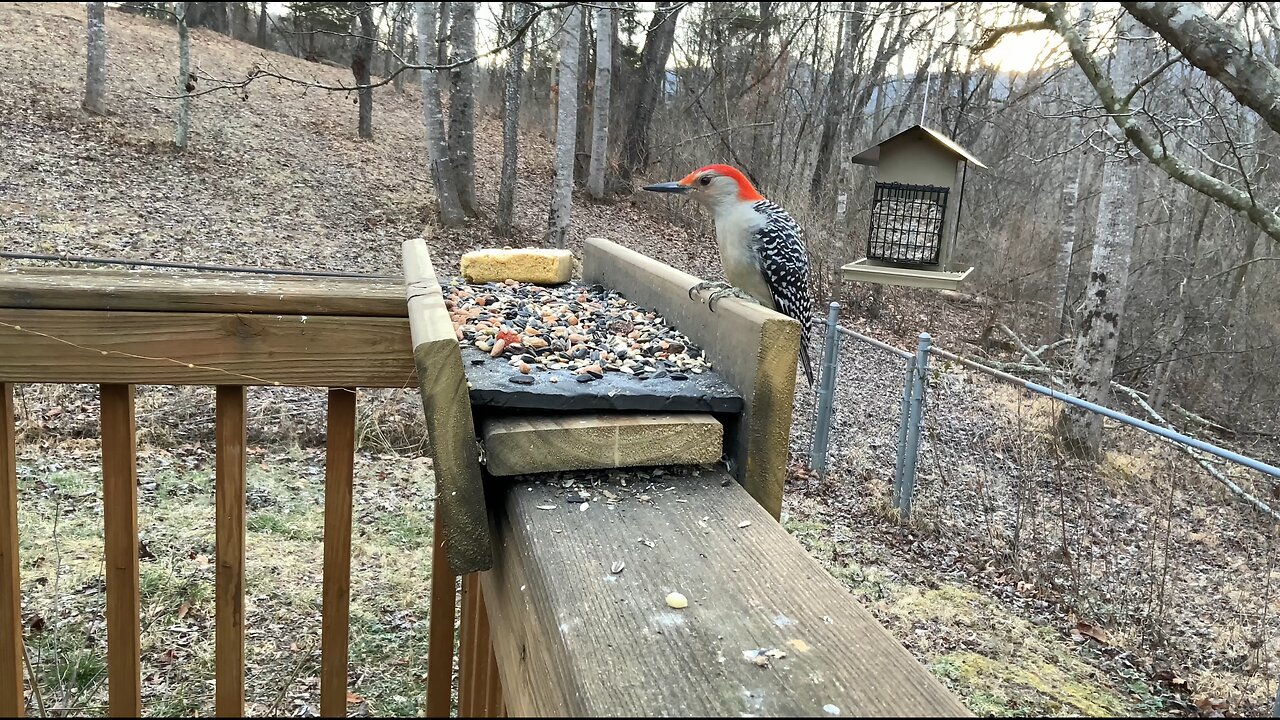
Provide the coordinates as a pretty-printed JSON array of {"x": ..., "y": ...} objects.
[
  {"x": 440, "y": 649},
  {"x": 229, "y": 474},
  {"x": 338, "y": 476},
  {"x": 479, "y": 686},
  {"x": 120, "y": 521},
  {"x": 447, "y": 409},
  {"x": 753, "y": 348},
  {"x": 11, "y": 699}
]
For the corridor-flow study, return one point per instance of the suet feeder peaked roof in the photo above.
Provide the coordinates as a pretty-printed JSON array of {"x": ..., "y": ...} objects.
[{"x": 871, "y": 156}]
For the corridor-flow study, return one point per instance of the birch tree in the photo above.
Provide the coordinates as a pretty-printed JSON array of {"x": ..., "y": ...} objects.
[
  {"x": 95, "y": 79},
  {"x": 600, "y": 102},
  {"x": 186, "y": 79},
  {"x": 462, "y": 81},
  {"x": 1070, "y": 203},
  {"x": 361, "y": 62},
  {"x": 518, "y": 16},
  {"x": 398, "y": 23},
  {"x": 566, "y": 129},
  {"x": 442, "y": 175},
  {"x": 1098, "y": 337}
]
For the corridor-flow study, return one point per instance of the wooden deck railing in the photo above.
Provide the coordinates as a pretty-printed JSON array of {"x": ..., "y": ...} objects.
[
  {"x": 550, "y": 622},
  {"x": 117, "y": 330}
]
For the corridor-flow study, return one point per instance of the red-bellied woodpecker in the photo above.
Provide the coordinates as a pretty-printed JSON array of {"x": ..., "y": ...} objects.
[{"x": 762, "y": 248}]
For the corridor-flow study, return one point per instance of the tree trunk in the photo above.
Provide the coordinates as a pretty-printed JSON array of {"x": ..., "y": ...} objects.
[
  {"x": 361, "y": 60},
  {"x": 1098, "y": 336},
  {"x": 462, "y": 81},
  {"x": 835, "y": 111},
  {"x": 1057, "y": 320},
  {"x": 586, "y": 79},
  {"x": 653, "y": 66},
  {"x": 397, "y": 45},
  {"x": 442, "y": 33},
  {"x": 95, "y": 83},
  {"x": 511, "y": 121},
  {"x": 211, "y": 15},
  {"x": 186, "y": 80},
  {"x": 262, "y": 25},
  {"x": 600, "y": 104},
  {"x": 566, "y": 130},
  {"x": 451, "y": 213}
]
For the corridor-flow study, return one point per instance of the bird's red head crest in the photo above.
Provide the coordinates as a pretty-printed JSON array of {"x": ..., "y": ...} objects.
[{"x": 746, "y": 191}]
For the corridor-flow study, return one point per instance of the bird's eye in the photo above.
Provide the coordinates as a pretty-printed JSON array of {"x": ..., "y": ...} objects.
[{"x": 704, "y": 180}]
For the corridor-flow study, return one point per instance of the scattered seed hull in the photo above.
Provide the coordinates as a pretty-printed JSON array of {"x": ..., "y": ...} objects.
[{"x": 577, "y": 347}]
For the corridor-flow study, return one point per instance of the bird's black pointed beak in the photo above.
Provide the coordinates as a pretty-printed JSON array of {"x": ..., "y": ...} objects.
[{"x": 668, "y": 187}]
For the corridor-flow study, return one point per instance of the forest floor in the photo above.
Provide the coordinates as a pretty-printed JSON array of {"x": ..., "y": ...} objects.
[{"x": 279, "y": 179}]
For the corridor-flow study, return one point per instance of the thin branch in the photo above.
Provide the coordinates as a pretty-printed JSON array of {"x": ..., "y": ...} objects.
[
  {"x": 257, "y": 73},
  {"x": 993, "y": 36},
  {"x": 1177, "y": 58}
]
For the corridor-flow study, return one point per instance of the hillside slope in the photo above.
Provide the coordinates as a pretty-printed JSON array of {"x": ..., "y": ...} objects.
[{"x": 278, "y": 179}]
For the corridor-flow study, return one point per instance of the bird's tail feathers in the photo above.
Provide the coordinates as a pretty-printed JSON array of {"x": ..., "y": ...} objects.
[{"x": 806, "y": 363}]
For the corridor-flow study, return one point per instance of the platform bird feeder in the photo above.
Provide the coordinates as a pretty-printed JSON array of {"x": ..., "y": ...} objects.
[{"x": 915, "y": 211}]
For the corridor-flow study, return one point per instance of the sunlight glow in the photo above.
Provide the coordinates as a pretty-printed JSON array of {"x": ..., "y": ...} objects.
[{"x": 1025, "y": 52}]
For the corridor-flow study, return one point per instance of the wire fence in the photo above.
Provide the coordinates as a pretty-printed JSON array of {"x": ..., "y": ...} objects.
[{"x": 1151, "y": 542}]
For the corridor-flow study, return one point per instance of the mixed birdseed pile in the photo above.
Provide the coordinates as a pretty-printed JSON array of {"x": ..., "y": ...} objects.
[{"x": 583, "y": 331}]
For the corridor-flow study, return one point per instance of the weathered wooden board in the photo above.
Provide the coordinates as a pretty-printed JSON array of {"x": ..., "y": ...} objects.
[
  {"x": 120, "y": 541},
  {"x": 753, "y": 348},
  {"x": 574, "y": 638},
  {"x": 447, "y": 409},
  {"x": 91, "y": 346},
  {"x": 121, "y": 290},
  {"x": 547, "y": 443},
  {"x": 339, "y": 478},
  {"x": 491, "y": 387},
  {"x": 11, "y": 689},
  {"x": 229, "y": 494}
]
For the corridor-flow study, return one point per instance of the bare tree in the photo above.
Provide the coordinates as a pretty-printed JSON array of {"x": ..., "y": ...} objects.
[
  {"x": 1151, "y": 143},
  {"x": 186, "y": 79},
  {"x": 1098, "y": 338},
  {"x": 600, "y": 103},
  {"x": 834, "y": 114},
  {"x": 397, "y": 44},
  {"x": 653, "y": 72},
  {"x": 566, "y": 129},
  {"x": 451, "y": 213},
  {"x": 518, "y": 15},
  {"x": 462, "y": 80},
  {"x": 262, "y": 25},
  {"x": 95, "y": 84},
  {"x": 1070, "y": 203},
  {"x": 361, "y": 60},
  {"x": 1217, "y": 49}
]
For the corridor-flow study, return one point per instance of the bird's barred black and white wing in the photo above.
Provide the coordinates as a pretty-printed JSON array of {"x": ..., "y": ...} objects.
[{"x": 784, "y": 262}]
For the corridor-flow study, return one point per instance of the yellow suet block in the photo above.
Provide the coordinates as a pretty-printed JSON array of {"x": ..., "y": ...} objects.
[{"x": 531, "y": 265}]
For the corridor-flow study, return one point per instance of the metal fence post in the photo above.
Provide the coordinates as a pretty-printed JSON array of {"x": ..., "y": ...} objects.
[
  {"x": 912, "y": 449},
  {"x": 826, "y": 392},
  {"x": 904, "y": 419}
]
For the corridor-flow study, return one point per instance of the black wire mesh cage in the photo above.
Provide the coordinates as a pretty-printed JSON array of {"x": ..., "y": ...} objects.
[{"x": 906, "y": 223}]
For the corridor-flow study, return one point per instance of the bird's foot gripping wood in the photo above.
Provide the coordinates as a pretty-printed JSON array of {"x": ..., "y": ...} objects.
[{"x": 719, "y": 290}]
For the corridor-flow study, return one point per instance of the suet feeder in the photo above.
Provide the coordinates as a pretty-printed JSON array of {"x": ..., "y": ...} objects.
[{"x": 915, "y": 211}]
